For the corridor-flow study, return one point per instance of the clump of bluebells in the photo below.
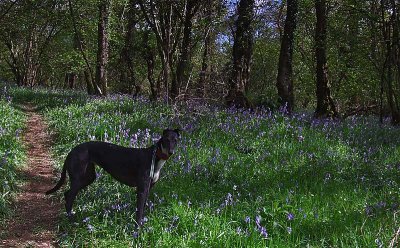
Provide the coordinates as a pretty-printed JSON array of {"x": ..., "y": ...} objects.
[{"x": 260, "y": 228}]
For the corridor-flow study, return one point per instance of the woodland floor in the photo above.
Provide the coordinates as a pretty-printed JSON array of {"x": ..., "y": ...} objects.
[{"x": 34, "y": 221}]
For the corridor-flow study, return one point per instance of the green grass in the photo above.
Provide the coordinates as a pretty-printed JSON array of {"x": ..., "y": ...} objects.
[
  {"x": 12, "y": 152},
  {"x": 307, "y": 183},
  {"x": 45, "y": 98}
]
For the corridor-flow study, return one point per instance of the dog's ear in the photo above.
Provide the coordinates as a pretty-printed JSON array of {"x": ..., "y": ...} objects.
[
  {"x": 164, "y": 133},
  {"x": 178, "y": 131}
]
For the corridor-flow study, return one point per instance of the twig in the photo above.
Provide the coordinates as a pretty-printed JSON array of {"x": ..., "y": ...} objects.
[{"x": 394, "y": 241}]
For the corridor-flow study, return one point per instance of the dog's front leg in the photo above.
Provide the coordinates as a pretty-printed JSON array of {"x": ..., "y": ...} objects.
[{"x": 141, "y": 198}]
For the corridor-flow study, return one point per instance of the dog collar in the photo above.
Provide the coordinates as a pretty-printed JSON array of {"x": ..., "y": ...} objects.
[{"x": 161, "y": 155}]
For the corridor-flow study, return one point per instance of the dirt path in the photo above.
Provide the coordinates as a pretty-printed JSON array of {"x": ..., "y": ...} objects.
[{"x": 34, "y": 223}]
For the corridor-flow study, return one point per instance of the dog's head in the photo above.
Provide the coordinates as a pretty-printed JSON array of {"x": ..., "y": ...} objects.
[{"x": 169, "y": 141}]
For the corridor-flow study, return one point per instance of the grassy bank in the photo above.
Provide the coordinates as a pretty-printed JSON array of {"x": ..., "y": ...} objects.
[{"x": 12, "y": 152}]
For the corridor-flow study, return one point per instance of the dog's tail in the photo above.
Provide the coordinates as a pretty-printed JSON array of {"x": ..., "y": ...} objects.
[{"x": 60, "y": 182}]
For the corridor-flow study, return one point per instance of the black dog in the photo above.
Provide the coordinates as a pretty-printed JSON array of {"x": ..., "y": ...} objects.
[{"x": 134, "y": 167}]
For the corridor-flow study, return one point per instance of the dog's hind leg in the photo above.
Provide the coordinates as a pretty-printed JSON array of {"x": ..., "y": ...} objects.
[
  {"x": 89, "y": 176},
  {"x": 70, "y": 196},
  {"x": 78, "y": 182}
]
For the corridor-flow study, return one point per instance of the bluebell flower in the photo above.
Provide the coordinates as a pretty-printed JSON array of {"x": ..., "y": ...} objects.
[
  {"x": 290, "y": 216},
  {"x": 90, "y": 228},
  {"x": 263, "y": 232},
  {"x": 258, "y": 220}
]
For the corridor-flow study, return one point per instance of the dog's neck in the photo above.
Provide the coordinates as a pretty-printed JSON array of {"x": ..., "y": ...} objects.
[
  {"x": 159, "y": 153},
  {"x": 159, "y": 160}
]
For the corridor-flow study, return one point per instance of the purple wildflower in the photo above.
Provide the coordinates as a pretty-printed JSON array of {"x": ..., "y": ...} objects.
[
  {"x": 381, "y": 204},
  {"x": 290, "y": 216},
  {"x": 263, "y": 232},
  {"x": 258, "y": 220},
  {"x": 90, "y": 228},
  {"x": 369, "y": 211}
]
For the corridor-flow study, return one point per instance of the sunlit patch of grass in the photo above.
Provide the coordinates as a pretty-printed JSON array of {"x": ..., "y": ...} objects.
[{"x": 43, "y": 98}]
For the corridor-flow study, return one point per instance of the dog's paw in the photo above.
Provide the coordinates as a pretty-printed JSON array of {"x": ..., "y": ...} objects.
[{"x": 71, "y": 217}]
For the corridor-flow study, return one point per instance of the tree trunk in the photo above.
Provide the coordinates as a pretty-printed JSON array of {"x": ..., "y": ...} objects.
[
  {"x": 204, "y": 76},
  {"x": 150, "y": 61},
  {"x": 102, "y": 48},
  {"x": 89, "y": 83},
  {"x": 80, "y": 45},
  {"x": 14, "y": 65},
  {"x": 325, "y": 105},
  {"x": 391, "y": 71},
  {"x": 4, "y": 12},
  {"x": 183, "y": 67},
  {"x": 284, "y": 82},
  {"x": 70, "y": 80},
  {"x": 242, "y": 54},
  {"x": 161, "y": 18},
  {"x": 127, "y": 77}
]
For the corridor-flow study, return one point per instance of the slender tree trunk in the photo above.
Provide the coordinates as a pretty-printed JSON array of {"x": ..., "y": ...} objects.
[
  {"x": 70, "y": 80},
  {"x": 183, "y": 67},
  {"x": 395, "y": 59},
  {"x": 71, "y": 77},
  {"x": 80, "y": 44},
  {"x": 375, "y": 58},
  {"x": 390, "y": 71},
  {"x": 89, "y": 82},
  {"x": 14, "y": 65},
  {"x": 154, "y": 89},
  {"x": 29, "y": 75},
  {"x": 149, "y": 56},
  {"x": 325, "y": 105},
  {"x": 204, "y": 77},
  {"x": 4, "y": 12},
  {"x": 242, "y": 55},
  {"x": 102, "y": 48},
  {"x": 127, "y": 76},
  {"x": 285, "y": 70},
  {"x": 160, "y": 18},
  {"x": 205, "y": 64}
]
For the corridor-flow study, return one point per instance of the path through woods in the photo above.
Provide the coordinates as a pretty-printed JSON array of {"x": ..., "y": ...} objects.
[{"x": 34, "y": 223}]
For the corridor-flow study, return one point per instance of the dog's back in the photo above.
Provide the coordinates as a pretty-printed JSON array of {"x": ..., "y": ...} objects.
[{"x": 122, "y": 163}]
